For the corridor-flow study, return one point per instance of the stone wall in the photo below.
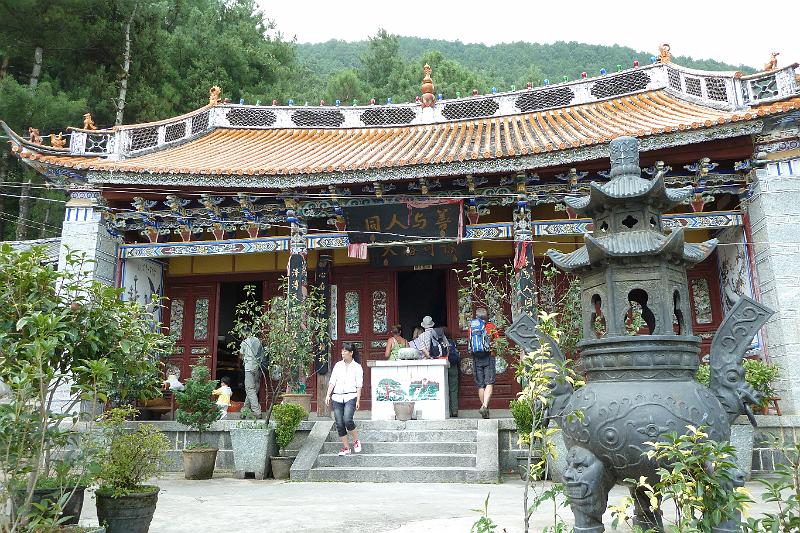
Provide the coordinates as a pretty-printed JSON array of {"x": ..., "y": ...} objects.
[
  {"x": 218, "y": 435},
  {"x": 774, "y": 211},
  {"x": 769, "y": 452}
]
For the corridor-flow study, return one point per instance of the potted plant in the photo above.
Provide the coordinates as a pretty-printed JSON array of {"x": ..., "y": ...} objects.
[
  {"x": 253, "y": 442},
  {"x": 287, "y": 419},
  {"x": 197, "y": 410},
  {"x": 126, "y": 459}
]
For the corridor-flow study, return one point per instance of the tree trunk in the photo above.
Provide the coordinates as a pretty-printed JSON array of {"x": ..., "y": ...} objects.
[
  {"x": 37, "y": 67},
  {"x": 24, "y": 208},
  {"x": 126, "y": 67},
  {"x": 3, "y": 187},
  {"x": 3, "y": 67},
  {"x": 45, "y": 224}
]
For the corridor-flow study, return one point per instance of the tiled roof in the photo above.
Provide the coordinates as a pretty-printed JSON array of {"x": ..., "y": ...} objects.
[
  {"x": 291, "y": 151},
  {"x": 51, "y": 247}
]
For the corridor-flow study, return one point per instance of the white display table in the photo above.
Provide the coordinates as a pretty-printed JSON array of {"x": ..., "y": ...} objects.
[{"x": 423, "y": 381}]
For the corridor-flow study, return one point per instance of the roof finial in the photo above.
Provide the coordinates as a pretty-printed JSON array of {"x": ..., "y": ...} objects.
[
  {"x": 428, "y": 98},
  {"x": 88, "y": 123},
  {"x": 664, "y": 56},
  {"x": 58, "y": 141},
  {"x": 213, "y": 95},
  {"x": 33, "y": 135},
  {"x": 773, "y": 62}
]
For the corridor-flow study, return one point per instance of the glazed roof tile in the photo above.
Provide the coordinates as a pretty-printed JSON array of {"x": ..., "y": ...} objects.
[{"x": 296, "y": 151}]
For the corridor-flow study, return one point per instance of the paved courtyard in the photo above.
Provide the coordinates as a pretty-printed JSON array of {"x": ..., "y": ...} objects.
[{"x": 225, "y": 503}]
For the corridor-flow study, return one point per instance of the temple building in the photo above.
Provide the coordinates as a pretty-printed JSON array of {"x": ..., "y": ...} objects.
[{"x": 380, "y": 203}]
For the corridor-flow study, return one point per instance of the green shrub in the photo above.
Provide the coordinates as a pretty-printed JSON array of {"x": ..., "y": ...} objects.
[
  {"x": 287, "y": 418},
  {"x": 523, "y": 416},
  {"x": 196, "y": 409},
  {"x": 126, "y": 458}
]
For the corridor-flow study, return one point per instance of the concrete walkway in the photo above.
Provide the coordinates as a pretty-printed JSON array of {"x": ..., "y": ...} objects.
[{"x": 229, "y": 504}]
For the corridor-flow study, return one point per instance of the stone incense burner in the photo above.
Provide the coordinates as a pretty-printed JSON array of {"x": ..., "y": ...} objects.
[{"x": 639, "y": 387}]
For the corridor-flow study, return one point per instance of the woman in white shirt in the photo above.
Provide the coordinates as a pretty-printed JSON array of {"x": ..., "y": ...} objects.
[{"x": 344, "y": 389}]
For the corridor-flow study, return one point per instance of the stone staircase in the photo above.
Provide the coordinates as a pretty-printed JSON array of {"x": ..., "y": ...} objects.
[{"x": 417, "y": 451}]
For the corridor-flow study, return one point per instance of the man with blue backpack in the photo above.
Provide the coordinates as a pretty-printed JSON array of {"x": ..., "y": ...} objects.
[{"x": 481, "y": 334}]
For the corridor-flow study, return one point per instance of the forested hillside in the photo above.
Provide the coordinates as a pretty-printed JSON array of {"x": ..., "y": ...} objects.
[
  {"x": 130, "y": 61},
  {"x": 504, "y": 64}
]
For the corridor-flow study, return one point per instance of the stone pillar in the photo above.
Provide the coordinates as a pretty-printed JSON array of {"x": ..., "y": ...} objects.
[
  {"x": 298, "y": 250},
  {"x": 84, "y": 232},
  {"x": 774, "y": 213},
  {"x": 525, "y": 297},
  {"x": 322, "y": 276}
]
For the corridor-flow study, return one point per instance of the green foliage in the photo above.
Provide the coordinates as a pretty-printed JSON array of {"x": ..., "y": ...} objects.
[
  {"x": 784, "y": 490},
  {"x": 58, "y": 329},
  {"x": 287, "y": 419},
  {"x": 291, "y": 332},
  {"x": 697, "y": 478},
  {"x": 196, "y": 409},
  {"x": 484, "y": 524},
  {"x": 522, "y": 411},
  {"x": 757, "y": 373},
  {"x": 127, "y": 458}
]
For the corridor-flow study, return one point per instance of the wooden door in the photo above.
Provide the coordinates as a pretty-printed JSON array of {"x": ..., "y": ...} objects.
[
  {"x": 460, "y": 312},
  {"x": 366, "y": 309},
  {"x": 192, "y": 318}
]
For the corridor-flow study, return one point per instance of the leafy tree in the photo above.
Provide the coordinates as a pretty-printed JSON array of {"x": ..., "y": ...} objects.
[
  {"x": 195, "y": 407},
  {"x": 345, "y": 86},
  {"x": 381, "y": 61}
]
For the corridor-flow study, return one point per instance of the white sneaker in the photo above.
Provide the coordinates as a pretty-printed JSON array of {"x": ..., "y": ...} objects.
[
  {"x": 344, "y": 451},
  {"x": 357, "y": 446}
]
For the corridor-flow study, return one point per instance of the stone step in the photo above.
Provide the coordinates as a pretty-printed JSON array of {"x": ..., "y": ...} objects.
[
  {"x": 407, "y": 447},
  {"x": 399, "y": 460},
  {"x": 453, "y": 423},
  {"x": 391, "y": 435},
  {"x": 396, "y": 474}
]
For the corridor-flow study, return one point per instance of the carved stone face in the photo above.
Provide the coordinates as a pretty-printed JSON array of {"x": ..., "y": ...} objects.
[{"x": 583, "y": 476}]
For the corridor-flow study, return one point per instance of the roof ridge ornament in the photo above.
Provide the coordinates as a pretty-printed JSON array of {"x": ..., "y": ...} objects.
[
  {"x": 773, "y": 62},
  {"x": 213, "y": 95},
  {"x": 664, "y": 55},
  {"x": 428, "y": 98},
  {"x": 88, "y": 123}
]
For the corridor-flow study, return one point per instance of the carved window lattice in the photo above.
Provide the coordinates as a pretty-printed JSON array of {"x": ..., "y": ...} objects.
[
  {"x": 201, "y": 319},
  {"x": 674, "y": 79},
  {"x": 479, "y": 107},
  {"x": 144, "y": 138},
  {"x": 693, "y": 86},
  {"x": 701, "y": 300},
  {"x": 199, "y": 122},
  {"x": 318, "y": 118},
  {"x": 176, "y": 318},
  {"x": 379, "y": 321},
  {"x": 251, "y": 117},
  {"x": 176, "y": 131},
  {"x": 716, "y": 90},
  {"x": 96, "y": 143},
  {"x": 352, "y": 319},
  {"x": 745, "y": 93},
  {"x": 622, "y": 84},
  {"x": 764, "y": 88},
  {"x": 543, "y": 99},
  {"x": 382, "y": 116}
]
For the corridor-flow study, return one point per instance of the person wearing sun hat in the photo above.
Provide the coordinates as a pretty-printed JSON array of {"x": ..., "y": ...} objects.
[{"x": 423, "y": 342}]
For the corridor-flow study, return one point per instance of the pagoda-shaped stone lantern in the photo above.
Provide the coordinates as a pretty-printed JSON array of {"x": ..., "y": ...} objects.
[{"x": 639, "y": 386}]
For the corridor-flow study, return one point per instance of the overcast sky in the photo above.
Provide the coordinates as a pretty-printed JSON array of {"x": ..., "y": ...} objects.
[{"x": 733, "y": 31}]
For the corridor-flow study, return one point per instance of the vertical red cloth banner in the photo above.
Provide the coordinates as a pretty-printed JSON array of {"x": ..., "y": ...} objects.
[
  {"x": 419, "y": 204},
  {"x": 520, "y": 255}
]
